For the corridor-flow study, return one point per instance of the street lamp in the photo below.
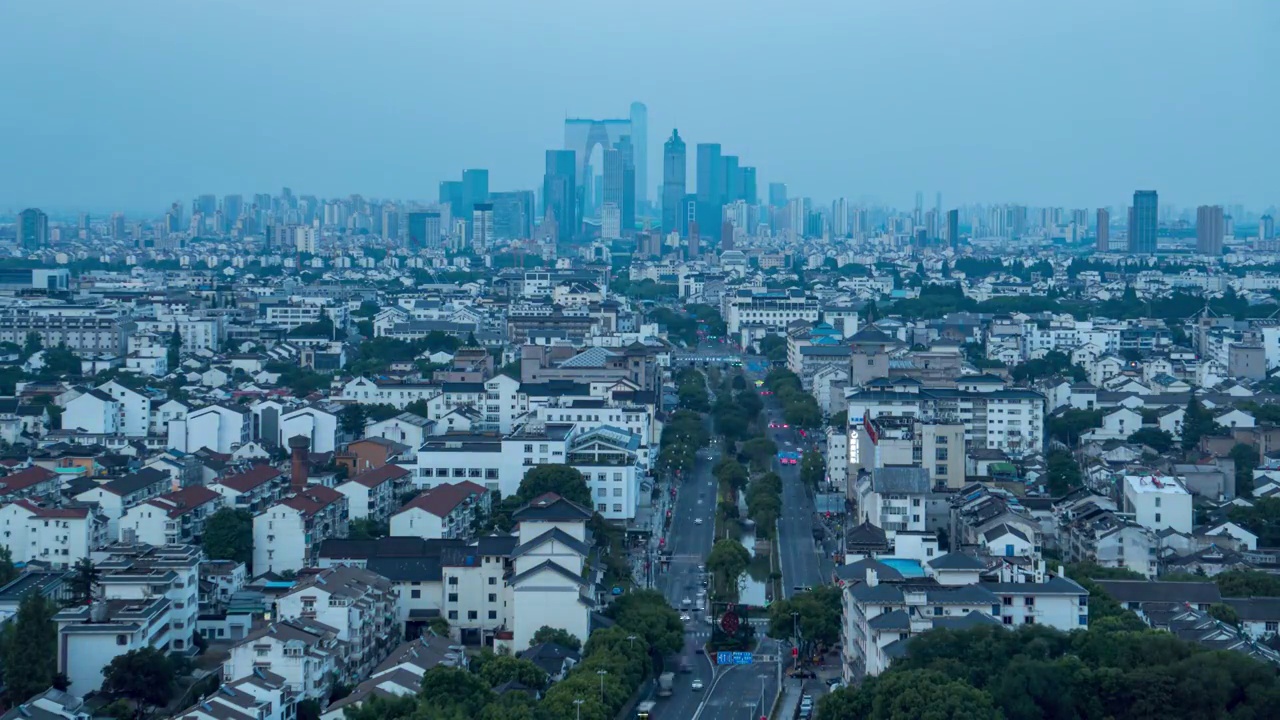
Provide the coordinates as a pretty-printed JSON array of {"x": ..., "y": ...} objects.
[
  {"x": 602, "y": 673},
  {"x": 631, "y": 639},
  {"x": 578, "y": 708}
]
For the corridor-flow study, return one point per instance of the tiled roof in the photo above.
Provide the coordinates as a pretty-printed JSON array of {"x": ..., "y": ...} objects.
[
  {"x": 443, "y": 499},
  {"x": 24, "y": 479},
  {"x": 183, "y": 501},
  {"x": 377, "y": 476},
  {"x": 250, "y": 479}
]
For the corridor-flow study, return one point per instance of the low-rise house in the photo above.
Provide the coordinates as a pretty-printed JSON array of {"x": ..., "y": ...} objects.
[
  {"x": 48, "y": 705},
  {"x": 141, "y": 572},
  {"x": 252, "y": 489},
  {"x": 57, "y": 536},
  {"x": 90, "y": 637},
  {"x": 401, "y": 673},
  {"x": 307, "y": 654},
  {"x": 33, "y": 483},
  {"x": 116, "y": 497},
  {"x": 373, "y": 493},
  {"x": 287, "y": 535},
  {"x": 446, "y": 511},
  {"x": 261, "y": 695},
  {"x": 175, "y": 518}
]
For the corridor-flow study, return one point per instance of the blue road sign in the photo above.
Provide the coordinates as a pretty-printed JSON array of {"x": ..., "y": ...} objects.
[{"x": 733, "y": 658}]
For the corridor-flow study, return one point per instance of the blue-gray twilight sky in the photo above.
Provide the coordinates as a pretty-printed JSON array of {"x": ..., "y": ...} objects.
[{"x": 131, "y": 104}]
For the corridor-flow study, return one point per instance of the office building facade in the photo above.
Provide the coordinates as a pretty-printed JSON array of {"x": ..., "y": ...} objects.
[
  {"x": 33, "y": 229},
  {"x": 1104, "y": 230},
  {"x": 1144, "y": 222},
  {"x": 558, "y": 191},
  {"x": 674, "y": 168},
  {"x": 1211, "y": 227}
]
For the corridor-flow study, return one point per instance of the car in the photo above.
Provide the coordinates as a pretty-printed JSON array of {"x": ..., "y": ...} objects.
[
  {"x": 697, "y": 521},
  {"x": 685, "y": 618},
  {"x": 685, "y": 603},
  {"x": 696, "y": 685},
  {"x": 700, "y": 651}
]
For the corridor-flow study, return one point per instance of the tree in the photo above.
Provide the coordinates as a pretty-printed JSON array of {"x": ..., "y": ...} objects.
[
  {"x": 83, "y": 582},
  {"x": 308, "y": 709},
  {"x": 559, "y": 636},
  {"x": 145, "y": 676},
  {"x": 1247, "y": 583},
  {"x": 647, "y": 614},
  {"x": 562, "y": 480},
  {"x": 7, "y": 571},
  {"x": 380, "y": 707},
  {"x": 1225, "y": 613},
  {"x": 60, "y": 360},
  {"x": 366, "y": 529},
  {"x": 760, "y": 451},
  {"x": 1155, "y": 438},
  {"x": 930, "y": 694},
  {"x": 173, "y": 355},
  {"x": 32, "y": 345},
  {"x": 503, "y": 669},
  {"x": 738, "y": 383},
  {"x": 727, "y": 561},
  {"x": 451, "y": 688},
  {"x": 228, "y": 535},
  {"x": 1067, "y": 427},
  {"x": 1064, "y": 473},
  {"x": 352, "y": 419},
  {"x": 813, "y": 469},
  {"x": 819, "y": 612},
  {"x": 1197, "y": 422},
  {"x": 730, "y": 473},
  {"x": 29, "y": 649},
  {"x": 1246, "y": 458}
]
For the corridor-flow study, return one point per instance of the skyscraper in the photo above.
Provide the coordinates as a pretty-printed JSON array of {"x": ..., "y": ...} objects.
[
  {"x": 674, "y": 167},
  {"x": 1104, "y": 230},
  {"x": 777, "y": 195},
  {"x": 423, "y": 229},
  {"x": 390, "y": 223},
  {"x": 953, "y": 228},
  {"x": 205, "y": 205},
  {"x": 620, "y": 183},
  {"x": 512, "y": 215},
  {"x": 730, "y": 180},
  {"x": 640, "y": 143},
  {"x": 451, "y": 195},
  {"x": 749, "y": 192},
  {"x": 559, "y": 198},
  {"x": 840, "y": 217},
  {"x": 33, "y": 229},
  {"x": 1211, "y": 227},
  {"x": 232, "y": 208},
  {"x": 1144, "y": 222},
  {"x": 1266, "y": 228},
  {"x": 710, "y": 183},
  {"x": 481, "y": 226},
  {"x": 475, "y": 191}
]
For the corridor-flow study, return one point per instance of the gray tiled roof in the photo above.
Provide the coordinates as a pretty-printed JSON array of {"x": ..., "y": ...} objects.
[{"x": 900, "y": 480}]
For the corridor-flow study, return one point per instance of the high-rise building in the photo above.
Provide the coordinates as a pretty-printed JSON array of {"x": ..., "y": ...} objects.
[
  {"x": 423, "y": 229},
  {"x": 33, "y": 229},
  {"x": 1267, "y": 227},
  {"x": 451, "y": 195},
  {"x": 1211, "y": 227},
  {"x": 232, "y": 208},
  {"x": 749, "y": 191},
  {"x": 1144, "y": 222},
  {"x": 730, "y": 179},
  {"x": 932, "y": 225},
  {"x": 674, "y": 167},
  {"x": 610, "y": 221},
  {"x": 953, "y": 228},
  {"x": 205, "y": 205},
  {"x": 390, "y": 222},
  {"x": 512, "y": 215},
  {"x": 840, "y": 217},
  {"x": 640, "y": 143},
  {"x": 710, "y": 185},
  {"x": 777, "y": 195},
  {"x": 559, "y": 199},
  {"x": 620, "y": 184},
  {"x": 481, "y": 232},
  {"x": 688, "y": 213},
  {"x": 695, "y": 242},
  {"x": 475, "y": 191},
  {"x": 726, "y": 235},
  {"x": 796, "y": 217},
  {"x": 1104, "y": 230},
  {"x": 116, "y": 226}
]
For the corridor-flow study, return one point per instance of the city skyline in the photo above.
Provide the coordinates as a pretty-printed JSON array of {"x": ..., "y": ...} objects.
[{"x": 130, "y": 119}]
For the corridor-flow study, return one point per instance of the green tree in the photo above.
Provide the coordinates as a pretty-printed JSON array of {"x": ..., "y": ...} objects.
[
  {"x": 29, "y": 649},
  {"x": 450, "y": 688},
  {"x": 366, "y": 529},
  {"x": 1246, "y": 458},
  {"x": 647, "y": 614},
  {"x": 1247, "y": 583},
  {"x": 1067, "y": 427},
  {"x": 502, "y": 669},
  {"x": 145, "y": 676},
  {"x": 84, "y": 582},
  {"x": 309, "y": 709},
  {"x": 727, "y": 561},
  {"x": 559, "y": 636},
  {"x": 1155, "y": 438},
  {"x": 928, "y": 694},
  {"x": 228, "y": 535},
  {"x": 813, "y": 469},
  {"x": 32, "y": 345},
  {"x": 7, "y": 571},
  {"x": 380, "y": 707},
  {"x": 173, "y": 355},
  {"x": 1225, "y": 613},
  {"x": 562, "y": 480},
  {"x": 760, "y": 451},
  {"x": 352, "y": 419},
  {"x": 1197, "y": 422},
  {"x": 1064, "y": 473},
  {"x": 60, "y": 361},
  {"x": 818, "y": 616},
  {"x": 730, "y": 473}
]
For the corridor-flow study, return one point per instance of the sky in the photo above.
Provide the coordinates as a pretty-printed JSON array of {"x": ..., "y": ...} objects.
[{"x": 132, "y": 104}]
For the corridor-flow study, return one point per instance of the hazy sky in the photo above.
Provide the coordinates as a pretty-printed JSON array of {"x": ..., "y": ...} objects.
[{"x": 130, "y": 104}]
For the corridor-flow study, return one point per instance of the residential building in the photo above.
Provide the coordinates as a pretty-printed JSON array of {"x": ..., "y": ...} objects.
[
  {"x": 58, "y": 536},
  {"x": 253, "y": 488},
  {"x": 287, "y": 535},
  {"x": 308, "y": 655},
  {"x": 893, "y": 498},
  {"x": 1158, "y": 503},
  {"x": 175, "y": 518},
  {"x": 116, "y": 497},
  {"x": 356, "y": 602},
  {"x": 91, "y": 636},
  {"x": 548, "y": 583},
  {"x": 49, "y": 705},
  {"x": 374, "y": 494},
  {"x": 444, "y": 512},
  {"x": 401, "y": 673},
  {"x": 261, "y": 695}
]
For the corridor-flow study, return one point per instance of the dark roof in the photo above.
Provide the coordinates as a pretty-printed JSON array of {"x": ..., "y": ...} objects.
[
  {"x": 1258, "y": 609},
  {"x": 957, "y": 561},
  {"x": 407, "y": 569},
  {"x": 1004, "y": 529},
  {"x": 550, "y": 507},
  {"x": 251, "y": 478},
  {"x": 140, "y": 480},
  {"x": 900, "y": 480},
  {"x": 554, "y": 534},
  {"x": 1143, "y": 591},
  {"x": 962, "y": 622},
  {"x": 442, "y": 499},
  {"x": 549, "y": 656},
  {"x": 377, "y": 476},
  {"x": 866, "y": 534}
]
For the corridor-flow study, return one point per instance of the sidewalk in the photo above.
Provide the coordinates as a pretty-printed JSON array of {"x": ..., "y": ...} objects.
[{"x": 789, "y": 705}]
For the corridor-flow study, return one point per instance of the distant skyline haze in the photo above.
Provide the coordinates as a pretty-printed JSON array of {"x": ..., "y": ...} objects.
[{"x": 130, "y": 106}]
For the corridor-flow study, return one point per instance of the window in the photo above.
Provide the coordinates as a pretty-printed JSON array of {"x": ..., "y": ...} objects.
[
  {"x": 493, "y": 614},
  {"x": 124, "y": 640},
  {"x": 601, "y": 507},
  {"x": 940, "y": 470},
  {"x": 617, "y": 492},
  {"x": 1157, "y": 502},
  {"x": 415, "y": 593},
  {"x": 602, "y": 492},
  {"x": 1029, "y": 620},
  {"x": 940, "y": 453},
  {"x": 453, "y": 614},
  {"x": 472, "y": 614},
  {"x": 453, "y": 597},
  {"x": 453, "y": 580},
  {"x": 1029, "y": 602},
  {"x": 1006, "y": 601},
  {"x": 1008, "y": 619},
  {"x": 1157, "y": 517},
  {"x": 1273, "y": 627},
  {"x": 1084, "y": 601},
  {"x": 493, "y": 581},
  {"x": 617, "y": 507},
  {"x": 528, "y": 448},
  {"x": 941, "y": 440},
  {"x": 1083, "y": 620},
  {"x": 493, "y": 597},
  {"x": 491, "y": 474},
  {"x": 937, "y": 610},
  {"x": 915, "y": 502}
]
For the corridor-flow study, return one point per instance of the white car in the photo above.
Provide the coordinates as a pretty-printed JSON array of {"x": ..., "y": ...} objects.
[
  {"x": 685, "y": 618},
  {"x": 697, "y": 685},
  {"x": 697, "y": 521}
]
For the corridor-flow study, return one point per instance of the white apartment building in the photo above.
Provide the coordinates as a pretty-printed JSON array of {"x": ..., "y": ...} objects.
[
  {"x": 405, "y": 428},
  {"x": 443, "y": 512},
  {"x": 306, "y": 654},
  {"x": 994, "y": 417},
  {"x": 60, "y": 536},
  {"x": 364, "y": 390},
  {"x": 893, "y": 498},
  {"x": 357, "y": 603},
  {"x": 116, "y": 497},
  {"x": 140, "y": 572},
  {"x": 374, "y": 493},
  {"x": 175, "y": 518},
  {"x": 198, "y": 333},
  {"x": 253, "y": 489},
  {"x": 221, "y": 428},
  {"x": 775, "y": 309},
  {"x": 89, "y": 638},
  {"x": 287, "y": 535},
  {"x": 316, "y": 423},
  {"x": 260, "y": 696},
  {"x": 134, "y": 409},
  {"x": 1158, "y": 503},
  {"x": 94, "y": 412},
  {"x": 548, "y": 584}
]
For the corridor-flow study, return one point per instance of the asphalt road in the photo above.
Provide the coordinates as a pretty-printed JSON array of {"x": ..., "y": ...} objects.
[{"x": 690, "y": 543}]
